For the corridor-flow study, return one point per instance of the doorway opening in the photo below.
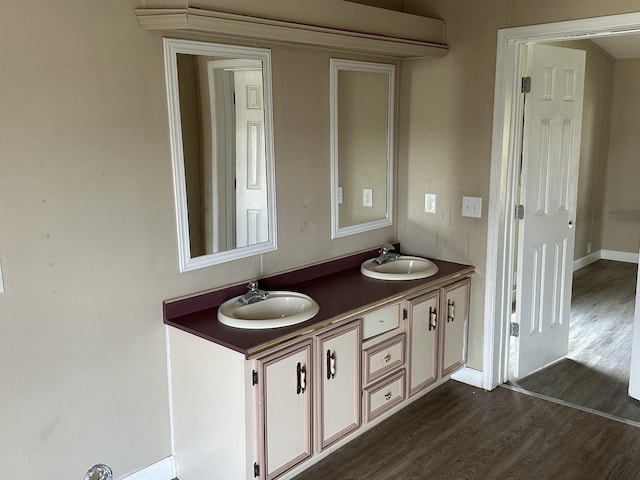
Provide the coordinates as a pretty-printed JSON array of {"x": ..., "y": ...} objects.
[{"x": 504, "y": 174}]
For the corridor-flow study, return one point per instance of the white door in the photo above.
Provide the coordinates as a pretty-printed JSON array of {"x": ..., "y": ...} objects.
[
  {"x": 339, "y": 383},
  {"x": 251, "y": 172},
  {"x": 551, "y": 149},
  {"x": 286, "y": 404},
  {"x": 634, "y": 378}
]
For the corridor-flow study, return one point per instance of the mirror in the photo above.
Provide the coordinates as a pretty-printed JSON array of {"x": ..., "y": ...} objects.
[
  {"x": 221, "y": 131},
  {"x": 362, "y": 114}
]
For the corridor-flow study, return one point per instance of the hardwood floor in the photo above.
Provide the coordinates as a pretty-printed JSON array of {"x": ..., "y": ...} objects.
[
  {"x": 458, "y": 432},
  {"x": 595, "y": 373}
]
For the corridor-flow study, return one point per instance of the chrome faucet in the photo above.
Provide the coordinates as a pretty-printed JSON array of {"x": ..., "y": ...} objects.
[
  {"x": 385, "y": 254},
  {"x": 253, "y": 295}
]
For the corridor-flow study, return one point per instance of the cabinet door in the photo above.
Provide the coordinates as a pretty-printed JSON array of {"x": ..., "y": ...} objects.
[
  {"x": 338, "y": 361},
  {"x": 286, "y": 409},
  {"x": 422, "y": 332},
  {"x": 455, "y": 311}
]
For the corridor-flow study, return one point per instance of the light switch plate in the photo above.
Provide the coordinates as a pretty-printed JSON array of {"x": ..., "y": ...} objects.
[
  {"x": 430, "y": 203},
  {"x": 367, "y": 197},
  {"x": 339, "y": 195},
  {"x": 472, "y": 207}
]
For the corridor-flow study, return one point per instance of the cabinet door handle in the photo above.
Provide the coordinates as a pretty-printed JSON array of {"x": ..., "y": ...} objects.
[
  {"x": 331, "y": 365},
  {"x": 433, "y": 318},
  {"x": 302, "y": 378},
  {"x": 451, "y": 311}
]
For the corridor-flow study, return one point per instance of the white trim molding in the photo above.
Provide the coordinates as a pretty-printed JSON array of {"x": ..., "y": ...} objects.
[
  {"x": 165, "y": 469},
  {"x": 469, "y": 376},
  {"x": 1, "y": 280},
  {"x": 586, "y": 260},
  {"x": 605, "y": 255},
  {"x": 619, "y": 256},
  {"x": 505, "y": 147},
  {"x": 202, "y": 21}
]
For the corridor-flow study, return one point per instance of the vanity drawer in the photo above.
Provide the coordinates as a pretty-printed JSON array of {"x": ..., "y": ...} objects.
[
  {"x": 380, "y": 321},
  {"x": 384, "y": 395},
  {"x": 383, "y": 358}
]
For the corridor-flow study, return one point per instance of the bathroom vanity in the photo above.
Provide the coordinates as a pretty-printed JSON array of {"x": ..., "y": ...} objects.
[{"x": 268, "y": 403}]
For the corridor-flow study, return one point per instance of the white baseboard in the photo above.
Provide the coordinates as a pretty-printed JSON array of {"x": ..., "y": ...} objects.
[
  {"x": 619, "y": 256},
  {"x": 469, "y": 376},
  {"x": 584, "y": 261},
  {"x": 605, "y": 255},
  {"x": 163, "y": 470}
]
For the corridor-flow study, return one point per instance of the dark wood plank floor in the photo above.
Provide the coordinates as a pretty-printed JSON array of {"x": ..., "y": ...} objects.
[
  {"x": 458, "y": 432},
  {"x": 595, "y": 373}
]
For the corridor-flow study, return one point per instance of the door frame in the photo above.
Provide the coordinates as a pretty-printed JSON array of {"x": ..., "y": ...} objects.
[{"x": 505, "y": 151}]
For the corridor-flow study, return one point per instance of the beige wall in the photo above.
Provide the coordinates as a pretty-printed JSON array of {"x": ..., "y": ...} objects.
[
  {"x": 87, "y": 228},
  {"x": 621, "y": 227},
  {"x": 446, "y": 110},
  {"x": 445, "y": 143}
]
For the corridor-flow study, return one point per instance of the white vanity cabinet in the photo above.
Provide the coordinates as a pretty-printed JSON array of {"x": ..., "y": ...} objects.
[
  {"x": 285, "y": 417},
  {"x": 311, "y": 385},
  {"x": 455, "y": 314},
  {"x": 422, "y": 332},
  {"x": 338, "y": 383},
  {"x": 269, "y": 414},
  {"x": 436, "y": 331}
]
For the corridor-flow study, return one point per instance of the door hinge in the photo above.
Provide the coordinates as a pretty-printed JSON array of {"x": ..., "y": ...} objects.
[
  {"x": 526, "y": 85},
  {"x": 405, "y": 314},
  {"x": 256, "y": 470},
  {"x": 254, "y": 377},
  {"x": 515, "y": 329},
  {"x": 519, "y": 212}
]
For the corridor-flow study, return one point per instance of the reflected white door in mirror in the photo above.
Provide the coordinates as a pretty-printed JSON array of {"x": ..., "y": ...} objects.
[
  {"x": 220, "y": 118},
  {"x": 362, "y": 145}
]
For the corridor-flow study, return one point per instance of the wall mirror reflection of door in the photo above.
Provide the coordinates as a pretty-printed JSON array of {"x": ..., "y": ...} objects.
[{"x": 222, "y": 146}]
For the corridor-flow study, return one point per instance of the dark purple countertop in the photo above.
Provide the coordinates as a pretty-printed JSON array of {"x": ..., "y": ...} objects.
[{"x": 339, "y": 292}]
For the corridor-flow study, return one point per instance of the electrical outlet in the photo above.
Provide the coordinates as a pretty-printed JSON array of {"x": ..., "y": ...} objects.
[
  {"x": 367, "y": 197},
  {"x": 339, "y": 195},
  {"x": 472, "y": 207},
  {"x": 588, "y": 248},
  {"x": 430, "y": 203}
]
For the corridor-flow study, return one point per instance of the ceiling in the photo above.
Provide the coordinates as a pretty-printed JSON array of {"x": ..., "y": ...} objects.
[{"x": 621, "y": 46}]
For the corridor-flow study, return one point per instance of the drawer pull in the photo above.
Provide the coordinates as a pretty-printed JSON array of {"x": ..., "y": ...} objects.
[
  {"x": 451, "y": 311},
  {"x": 387, "y": 358},
  {"x": 433, "y": 318},
  {"x": 302, "y": 378},
  {"x": 331, "y": 365},
  {"x": 387, "y": 396}
]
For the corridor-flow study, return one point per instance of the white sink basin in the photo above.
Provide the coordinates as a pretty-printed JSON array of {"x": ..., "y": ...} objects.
[
  {"x": 280, "y": 309},
  {"x": 404, "y": 268}
]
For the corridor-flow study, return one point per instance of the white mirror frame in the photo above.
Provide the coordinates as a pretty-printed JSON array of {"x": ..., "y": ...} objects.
[
  {"x": 353, "y": 65},
  {"x": 171, "y": 48}
]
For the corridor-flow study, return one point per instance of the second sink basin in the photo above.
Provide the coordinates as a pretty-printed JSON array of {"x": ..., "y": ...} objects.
[
  {"x": 404, "y": 268},
  {"x": 280, "y": 309}
]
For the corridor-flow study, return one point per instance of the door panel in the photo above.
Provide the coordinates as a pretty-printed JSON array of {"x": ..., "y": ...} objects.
[
  {"x": 287, "y": 393},
  {"x": 551, "y": 149},
  {"x": 455, "y": 312},
  {"x": 251, "y": 176},
  {"x": 423, "y": 341},
  {"x": 338, "y": 355}
]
